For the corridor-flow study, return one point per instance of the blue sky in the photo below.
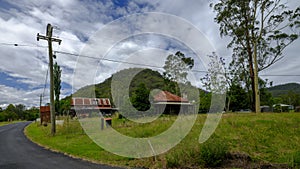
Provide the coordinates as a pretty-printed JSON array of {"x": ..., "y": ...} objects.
[{"x": 23, "y": 68}]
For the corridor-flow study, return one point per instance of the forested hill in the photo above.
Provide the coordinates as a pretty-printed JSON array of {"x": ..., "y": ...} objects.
[
  {"x": 284, "y": 89},
  {"x": 152, "y": 80}
]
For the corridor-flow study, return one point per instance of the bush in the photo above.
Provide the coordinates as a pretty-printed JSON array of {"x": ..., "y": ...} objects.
[
  {"x": 173, "y": 161},
  {"x": 213, "y": 152},
  {"x": 2, "y": 117},
  {"x": 296, "y": 160},
  {"x": 176, "y": 159},
  {"x": 209, "y": 154}
]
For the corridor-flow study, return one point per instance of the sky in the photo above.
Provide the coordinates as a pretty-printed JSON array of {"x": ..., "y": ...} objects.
[{"x": 104, "y": 36}]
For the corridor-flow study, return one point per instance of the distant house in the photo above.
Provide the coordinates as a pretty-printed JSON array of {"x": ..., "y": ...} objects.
[
  {"x": 265, "y": 108},
  {"x": 169, "y": 103},
  {"x": 282, "y": 108},
  {"x": 84, "y": 107}
]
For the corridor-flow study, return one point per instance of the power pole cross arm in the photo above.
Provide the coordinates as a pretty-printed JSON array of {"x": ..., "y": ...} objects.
[{"x": 46, "y": 38}]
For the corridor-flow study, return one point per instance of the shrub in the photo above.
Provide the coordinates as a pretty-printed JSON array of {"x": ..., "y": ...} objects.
[
  {"x": 176, "y": 159},
  {"x": 213, "y": 152},
  {"x": 296, "y": 160},
  {"x": 172, "y": 161}
]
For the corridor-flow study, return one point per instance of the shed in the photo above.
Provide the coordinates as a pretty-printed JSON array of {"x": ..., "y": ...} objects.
[
  {"x": 84, "y": 107},
  {"x": 45, "y": 114},
  {"x": 169, "y": 103},
  {"x": 265, "y": 108}
]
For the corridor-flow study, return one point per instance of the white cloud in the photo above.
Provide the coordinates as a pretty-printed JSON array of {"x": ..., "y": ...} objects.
[
  {"x": 78, "y": 21},
  {"x": 10, "y": 95}
]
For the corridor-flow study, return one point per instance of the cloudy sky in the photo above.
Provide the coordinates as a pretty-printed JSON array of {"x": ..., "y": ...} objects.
[{"x": 115, "y": 31}]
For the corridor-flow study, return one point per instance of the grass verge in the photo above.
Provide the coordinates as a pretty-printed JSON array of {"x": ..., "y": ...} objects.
[
  {"x": 70, "y": 139},
  {"x": 267, "y": 138}
]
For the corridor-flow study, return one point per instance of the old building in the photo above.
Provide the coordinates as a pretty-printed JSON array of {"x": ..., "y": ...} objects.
[
  {"x": 87, "y": 107},
  {"x": 169, "y": 103}
]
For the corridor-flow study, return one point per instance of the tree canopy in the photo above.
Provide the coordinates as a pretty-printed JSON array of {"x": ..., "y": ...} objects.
[
  {"x": 177, "y": 66},
  {"x": 18, "y": 112},
  {"x": 140, "y": 98},
  {"x": 260, "y": 30}
]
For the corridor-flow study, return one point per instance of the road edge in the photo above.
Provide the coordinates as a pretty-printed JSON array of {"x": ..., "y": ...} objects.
[{"x": 64, "y": 153}]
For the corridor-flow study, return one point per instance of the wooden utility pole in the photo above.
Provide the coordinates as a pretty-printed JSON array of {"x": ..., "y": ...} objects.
[
  {"x": 256, "y": 88},
  {"x": 49, "y": 38}
]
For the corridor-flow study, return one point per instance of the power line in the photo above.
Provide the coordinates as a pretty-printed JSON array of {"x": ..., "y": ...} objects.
[
  {"x": 118, "y": 61},
  {"x": 140, "y": 64},
  {"x": 21, "y": 45},
  {"x": 281, "y": 75}
]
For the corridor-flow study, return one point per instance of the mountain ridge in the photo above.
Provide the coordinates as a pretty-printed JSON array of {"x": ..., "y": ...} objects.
[
  {"x": 154, "y": 80},
  {"x": 282, "y": 89}
]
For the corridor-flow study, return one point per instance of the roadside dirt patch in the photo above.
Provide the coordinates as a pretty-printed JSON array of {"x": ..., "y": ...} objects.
[{"x": 242, "y": 160}]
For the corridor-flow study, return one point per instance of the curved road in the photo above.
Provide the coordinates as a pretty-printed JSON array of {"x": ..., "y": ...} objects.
[{"x": 17, "y": 152}]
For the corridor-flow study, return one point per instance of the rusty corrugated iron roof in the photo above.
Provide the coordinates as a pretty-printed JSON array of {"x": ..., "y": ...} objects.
[
  {"x": 100, "y": 102},
  {"x": 165, "y": 96}
]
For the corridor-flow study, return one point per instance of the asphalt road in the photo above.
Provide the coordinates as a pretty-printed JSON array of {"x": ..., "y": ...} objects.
[{"x": 17, "y": 152}]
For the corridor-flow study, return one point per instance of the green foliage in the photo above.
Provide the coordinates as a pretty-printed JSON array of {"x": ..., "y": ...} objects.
[
  {"x": 140, "y": 98},
  {"x": 267, "y": 137},
  {"x": 296, "y": 160},
  {"x": 65, "y": 105},
  {"x": 238, "y": 98},
  {"x": 152, "y": 79},
  {"x": 57, "y": 85},
  {"x": 19, "y": 112},
  {"x": 266, "y": 97},
  {"x": 259, "y": 32},
  {"x": 10, "y": 108},
  {"x": 215, "y": 80},
  {"x": 277, "y": 109},
  {"x": 269, "y": 25},
  {"x": 31, "y": 114},
  {"x": 285, "y": 94},
  {"x": 205, "y": 101},
  {"x": 175, "y": 159},
  {"x": 238, "y": 95},
  {"x": 9, "y": 113},
  {"x": 291, "y": 98},
  {"x": 86, "y": 91},
  {"x": 213, "y": 152},
  {"x": 70, "y": 139},
  {"x": 176, "y": 69},
  {"x": 279, "y": 90},
  {"x": 2, "y": 117}
]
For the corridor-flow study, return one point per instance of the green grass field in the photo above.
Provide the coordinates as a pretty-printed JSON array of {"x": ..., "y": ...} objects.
[{"x": 268, "y": 138}]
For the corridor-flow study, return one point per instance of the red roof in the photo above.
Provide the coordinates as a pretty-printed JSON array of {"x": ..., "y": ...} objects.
[
  {"x": 98, "y": 102},
  {"x": 165, "y": 96}
]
